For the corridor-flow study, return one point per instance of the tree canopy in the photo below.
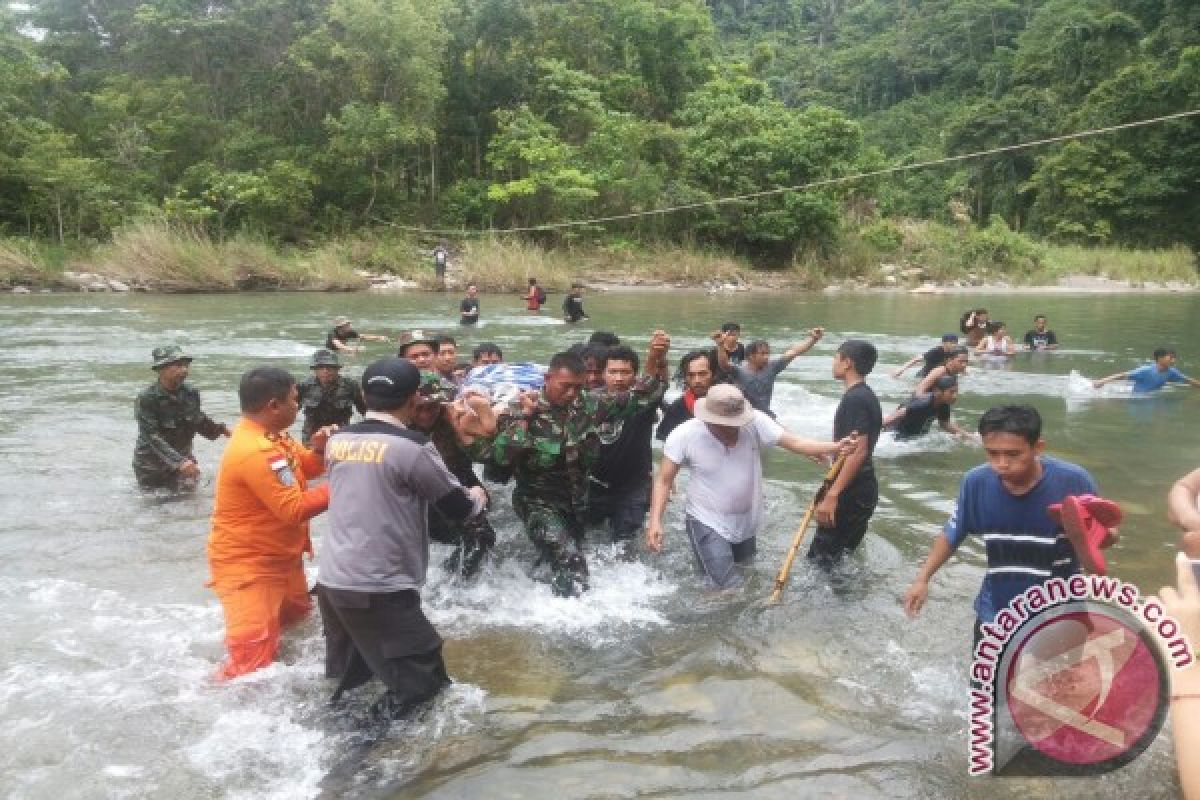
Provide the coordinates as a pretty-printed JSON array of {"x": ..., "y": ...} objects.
[{"x": 299, "y": 119}]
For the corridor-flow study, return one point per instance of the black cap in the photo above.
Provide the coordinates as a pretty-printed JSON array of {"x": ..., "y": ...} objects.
[{"x": 391, "y": 379}]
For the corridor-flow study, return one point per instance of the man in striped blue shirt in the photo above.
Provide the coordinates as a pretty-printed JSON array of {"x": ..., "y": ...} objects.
[{"x": 1005, "y": 501}]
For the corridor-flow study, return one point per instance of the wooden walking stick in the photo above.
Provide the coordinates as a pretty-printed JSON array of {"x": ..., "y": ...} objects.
[{"x": 782, "y": 577}]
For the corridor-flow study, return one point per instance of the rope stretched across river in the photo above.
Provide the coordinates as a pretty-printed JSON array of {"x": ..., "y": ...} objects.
[{"x": 741, "y": 198}]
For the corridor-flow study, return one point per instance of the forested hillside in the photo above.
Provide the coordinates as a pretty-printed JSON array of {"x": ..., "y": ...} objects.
[{"x": 300, "y": 120}]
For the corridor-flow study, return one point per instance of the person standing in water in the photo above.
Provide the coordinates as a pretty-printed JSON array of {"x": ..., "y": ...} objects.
[
  {"x": 573, "y": 304},
  {"x": 1039, "y": 338},
  {"x": 169, "y": 417},
  {"x": 997, "y": 342},
  {"x": 723, "y": 447},
  {"x": 468, "y": 309},
  {"x": 846, "y": 508},
  {"x": 260, "y": 521},
  {"x": 535, "y": 298}
]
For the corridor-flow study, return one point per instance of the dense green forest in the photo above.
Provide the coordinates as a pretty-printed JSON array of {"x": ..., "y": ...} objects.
[{"x": 304, "y": 120}]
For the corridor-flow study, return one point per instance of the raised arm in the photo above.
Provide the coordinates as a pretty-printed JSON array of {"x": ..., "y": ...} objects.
[
  {"x": 656, "y": 356},
  {"x": 814, "y": 336},
  {"x": 723, "y": 364}
]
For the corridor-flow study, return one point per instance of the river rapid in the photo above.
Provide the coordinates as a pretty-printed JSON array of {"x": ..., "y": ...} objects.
[{"x": 648, "y": 686}]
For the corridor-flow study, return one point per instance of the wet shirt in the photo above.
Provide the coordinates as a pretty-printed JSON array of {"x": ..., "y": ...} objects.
[
  {"x": 1149, "y": 378},
  {"x": 725, "y": 487},
  {"x": 573, "y": 308},
  {"x": 919, "y": 414},
  {"x": 859, "y": 410},
  {"x": 328, "y": 405},
  {"x": 167, "y": 424},
  {"x": 553, "y": 450},
  {"x": 382, "y": 479},
  {"x": 1039, "y": 341},
  {"x": 345, "y": 338},
  {"x": 468, "y": 305},
  {"x": 934, "y": 357},
  {"x": 759, "y": 386},
  {"x": 628, "y": 459},
  {"x": 262, "y": 504},
  {"x": 1025, "y": 547}
]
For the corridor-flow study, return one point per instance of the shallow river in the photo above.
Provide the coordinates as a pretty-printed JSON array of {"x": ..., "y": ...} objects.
[{"x": 646, "y": 687}]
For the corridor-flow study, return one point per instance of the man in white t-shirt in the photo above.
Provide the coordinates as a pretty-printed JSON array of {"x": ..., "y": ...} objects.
[{"x": 723, "y": 447}]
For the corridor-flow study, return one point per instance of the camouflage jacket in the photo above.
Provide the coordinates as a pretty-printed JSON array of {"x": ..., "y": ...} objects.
[
  {"x": 332, "y": 405},
  {"x": 167, "y": 423},
  {"x": 453, "y": 454},
  {"x": 553, "y": 449}
]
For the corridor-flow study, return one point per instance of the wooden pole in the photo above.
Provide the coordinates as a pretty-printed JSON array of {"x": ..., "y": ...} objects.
[{"x": 798, "y": 539}]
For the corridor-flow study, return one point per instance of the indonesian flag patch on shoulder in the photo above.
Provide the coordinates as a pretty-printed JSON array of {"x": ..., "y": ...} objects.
[{"x": 283, "y": 472}]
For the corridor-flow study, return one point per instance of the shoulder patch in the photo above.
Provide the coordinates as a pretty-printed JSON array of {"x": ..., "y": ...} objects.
[{"x": 283, "y": 471}]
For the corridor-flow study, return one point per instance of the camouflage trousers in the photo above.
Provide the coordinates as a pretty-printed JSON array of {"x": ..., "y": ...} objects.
[
  {"x": 472, "y": 540},
  {"x": 558, "y": 535},
  {"x": 155, "y": 477}
]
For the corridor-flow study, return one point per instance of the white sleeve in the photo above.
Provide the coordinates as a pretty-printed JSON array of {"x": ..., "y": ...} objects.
[
  {"x": 676, "y": 445},
  {"x": 769, "y": 431}
]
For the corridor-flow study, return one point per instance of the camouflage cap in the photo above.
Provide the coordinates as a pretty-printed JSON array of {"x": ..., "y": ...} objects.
[
  {"x": 170, "y": 354},
  {"x": 433, "y": 388},
  {"x": 340, "y": 321},
  {"x": 325, "y": 358}
]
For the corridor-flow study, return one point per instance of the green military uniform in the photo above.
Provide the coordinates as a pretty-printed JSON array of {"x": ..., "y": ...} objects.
[
  {"x": 473, "y": 538},
  {"x": 167, "y": 424},
  {"x": 327, "y": 405},
  {"x": 551, "y": 452}
]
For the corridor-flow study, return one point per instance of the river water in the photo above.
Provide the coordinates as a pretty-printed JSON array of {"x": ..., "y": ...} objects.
[{"x": 646, "y": 687}]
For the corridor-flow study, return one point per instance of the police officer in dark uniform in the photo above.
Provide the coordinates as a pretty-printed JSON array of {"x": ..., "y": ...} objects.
[
  {"x": 169, "y": 417},
  {"x": 326, "y": 397}
]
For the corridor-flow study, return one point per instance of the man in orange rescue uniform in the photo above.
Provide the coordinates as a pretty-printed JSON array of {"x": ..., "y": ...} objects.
[{"x": 260, "y": 521}]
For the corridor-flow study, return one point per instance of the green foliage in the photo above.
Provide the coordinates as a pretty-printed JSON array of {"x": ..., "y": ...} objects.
[
  {"x": 884, "y": 236},
  {"x": 298, "y": 120}
]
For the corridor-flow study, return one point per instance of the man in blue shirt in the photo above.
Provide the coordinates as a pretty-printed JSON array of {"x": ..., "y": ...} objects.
[
  {"x": 1005, "y": 501},
  {"x": 1152, "y": 377}
]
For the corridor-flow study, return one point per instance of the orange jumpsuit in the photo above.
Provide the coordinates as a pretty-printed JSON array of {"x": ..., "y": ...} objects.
[{"x": 259, "y": 533}]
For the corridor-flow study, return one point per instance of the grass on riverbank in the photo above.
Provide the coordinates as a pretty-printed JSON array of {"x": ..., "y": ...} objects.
[
  {"x": 904, "y": 252},
  {"x": 155, "y": 256},
  {"x": 172, "y": 258}
]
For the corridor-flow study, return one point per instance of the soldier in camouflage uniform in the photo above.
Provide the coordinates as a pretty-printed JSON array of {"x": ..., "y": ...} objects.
[
  {"x": 552, "y": 442},
  {"x": 448, "y": 424},
  {"x": 326, "y": 397},
  {"x": 169, "y": 417}
]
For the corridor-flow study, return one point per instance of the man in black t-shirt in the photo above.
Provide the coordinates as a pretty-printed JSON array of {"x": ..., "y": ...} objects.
[
  {"x": 468, "y": 309},
  {"x": 698, "y": 369},
  {"x": 915, "y": 417},
  {"x": 573, "y": 304},
  {"x": 620, "y": 479},
  {"x": 934, "y": 357},
  {"x": 846, "y": 508},
  {"x": 1039, "y": 338}
]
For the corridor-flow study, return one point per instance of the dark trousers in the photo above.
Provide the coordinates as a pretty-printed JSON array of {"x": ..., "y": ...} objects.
[
  {"x": 625, "y": 509},
  {"x": 854, "y": 509},
  {"x": 382, "y": 635}
]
